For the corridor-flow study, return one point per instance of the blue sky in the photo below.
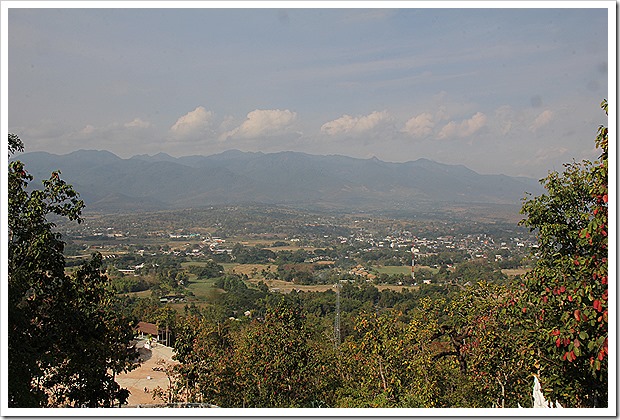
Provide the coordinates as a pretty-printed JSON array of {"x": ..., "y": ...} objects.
[{"x": 514, "y": 91}]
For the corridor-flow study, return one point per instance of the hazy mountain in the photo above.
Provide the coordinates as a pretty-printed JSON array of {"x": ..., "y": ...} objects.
[{"x": 109, "y": 183}]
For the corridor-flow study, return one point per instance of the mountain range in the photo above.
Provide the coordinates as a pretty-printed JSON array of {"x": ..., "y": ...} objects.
[{"x": 108, "y": 183}]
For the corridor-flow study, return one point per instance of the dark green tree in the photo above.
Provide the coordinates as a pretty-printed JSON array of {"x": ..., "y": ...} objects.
[
  {"x": 270, "y": 362},
  {"x": 274, "y": 360},
  {"x": 65, "y": 344}
]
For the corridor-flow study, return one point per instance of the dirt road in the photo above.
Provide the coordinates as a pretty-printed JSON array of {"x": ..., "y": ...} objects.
[{"x": 141, "y": 381}]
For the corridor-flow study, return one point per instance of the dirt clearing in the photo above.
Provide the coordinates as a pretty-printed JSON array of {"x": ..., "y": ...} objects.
[{"x": 143, "y": 380}]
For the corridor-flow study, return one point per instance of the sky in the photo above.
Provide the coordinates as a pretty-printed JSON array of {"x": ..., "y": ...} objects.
[{"x": 515, "y": 91}]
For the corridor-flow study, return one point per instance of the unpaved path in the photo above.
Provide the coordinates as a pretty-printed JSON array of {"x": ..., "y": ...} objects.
[{"x": 144, "y": 377}]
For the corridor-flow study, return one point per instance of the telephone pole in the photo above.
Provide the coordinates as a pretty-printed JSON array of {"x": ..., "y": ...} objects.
[
  {"x": 413, "y": 261},
  {"x": 337, "y": 317}
]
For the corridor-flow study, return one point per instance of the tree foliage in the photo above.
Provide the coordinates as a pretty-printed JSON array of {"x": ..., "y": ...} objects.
[
  {"x": 270, "y": 362},
  {"x": 567, "y": 291},
  {"x": 64, "y": 342},
  {"x": 273, "y": 360}
]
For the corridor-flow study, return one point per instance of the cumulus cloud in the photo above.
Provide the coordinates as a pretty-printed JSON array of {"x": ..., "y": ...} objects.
[
  {"x": 463, "y": 129},
  {"x": 543, "y": 119},
  {"x": 263, "y": 122},
  {"x": 137, "y": 123},
  {"x": 89, "y": 129},
  {"x": 355, "y": 125},
  {"x": 118, "y": 137},
  {"x": 446, "y": 106},
  {"x": 194, "y": 122},
  {"x": 419, "y": 126}
]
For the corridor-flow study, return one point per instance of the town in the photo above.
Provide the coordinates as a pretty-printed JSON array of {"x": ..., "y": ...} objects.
[{"x": 302, "y": 248}]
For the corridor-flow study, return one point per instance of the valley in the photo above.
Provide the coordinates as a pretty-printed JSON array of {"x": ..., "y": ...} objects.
[{"x": 164, "y": 253}]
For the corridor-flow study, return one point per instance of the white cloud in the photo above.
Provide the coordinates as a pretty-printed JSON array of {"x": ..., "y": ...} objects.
[
  {"x": 263, "y": 122},
  {"x": 137, "y": 123},
  {"x": 63, "y": 138},
  {"x": 194, "y": 122},
  {"x": 463, "y": 129},
  {"x": 543, "y": 119},
  {"x": 447, "y": 106},
  {"x": 355, "y": 125},
  {"x": 419, "y": 126},
  {"x": 89, "y": 129}
]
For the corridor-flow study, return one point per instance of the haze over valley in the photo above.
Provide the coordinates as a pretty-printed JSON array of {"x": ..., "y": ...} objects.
[{"x": 108, "y": 183}]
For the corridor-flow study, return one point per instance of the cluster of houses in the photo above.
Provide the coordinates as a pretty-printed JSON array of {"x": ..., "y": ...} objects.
[
  {"x": 177, "y": 298},
  {"x": 360, "y": 271},
  {"x": 477, "y": 245}
]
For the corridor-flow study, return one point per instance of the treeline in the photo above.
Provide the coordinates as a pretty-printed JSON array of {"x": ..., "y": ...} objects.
[
  {"x": 240, "y": 297},
  {"x": 434, "y": 347}
]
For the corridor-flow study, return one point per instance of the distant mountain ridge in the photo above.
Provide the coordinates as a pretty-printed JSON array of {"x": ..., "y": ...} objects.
[{"x": 109, "y": 183}]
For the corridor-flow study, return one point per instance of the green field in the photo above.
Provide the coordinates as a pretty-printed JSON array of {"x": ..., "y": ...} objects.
[
  {"x": 203, "y": 289},
  {"x": 393, "y": 269},
  {"x": 142, "y": 294}
]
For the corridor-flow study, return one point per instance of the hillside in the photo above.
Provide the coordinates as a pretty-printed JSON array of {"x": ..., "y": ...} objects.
[{"x": 109, "y": 183}]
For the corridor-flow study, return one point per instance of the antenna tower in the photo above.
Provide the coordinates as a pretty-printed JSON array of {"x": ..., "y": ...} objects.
[
  {"x": 412, "y": 261},
  {"x": 337, "y": 317}
]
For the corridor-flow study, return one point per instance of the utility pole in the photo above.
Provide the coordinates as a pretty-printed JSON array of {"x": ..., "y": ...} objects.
[
  {"x": 337, "y": 317},
  {"x": 413, "y": 261}
]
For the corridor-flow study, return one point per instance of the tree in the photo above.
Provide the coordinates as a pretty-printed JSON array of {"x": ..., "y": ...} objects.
[
  {"x": 480, "y": 330},
  {"x": 205, "y": 372},
  {"x": 460, "y": 351},
  {"x": 270, "y": 362},
  {"x": 377, "y": 360},
  {"x": 274, "y": 360},
  {"x": 209, "y": 269},
  {"x": 65, "y": 343},
  {"x": 567, "y": 292}
]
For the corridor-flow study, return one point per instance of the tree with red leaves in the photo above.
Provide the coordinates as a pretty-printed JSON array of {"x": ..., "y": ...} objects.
[{"x": 567, "y": 291}]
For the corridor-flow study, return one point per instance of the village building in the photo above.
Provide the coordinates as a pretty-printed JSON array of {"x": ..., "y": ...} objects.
[{"x": 146, "y": 329}]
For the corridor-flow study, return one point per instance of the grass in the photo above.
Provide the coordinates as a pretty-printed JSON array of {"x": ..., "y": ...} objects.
[
  {"x": 247, "y": 269},
  {"x": 203, "y": 289},
  {"x": 142, "y": 294},
  {"x": 393, "y": 269}
]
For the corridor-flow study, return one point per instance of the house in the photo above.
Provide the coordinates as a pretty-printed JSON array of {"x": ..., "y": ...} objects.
[
  {"x": 145, "y": 329},
  {"x": 172, "y": 298}
]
